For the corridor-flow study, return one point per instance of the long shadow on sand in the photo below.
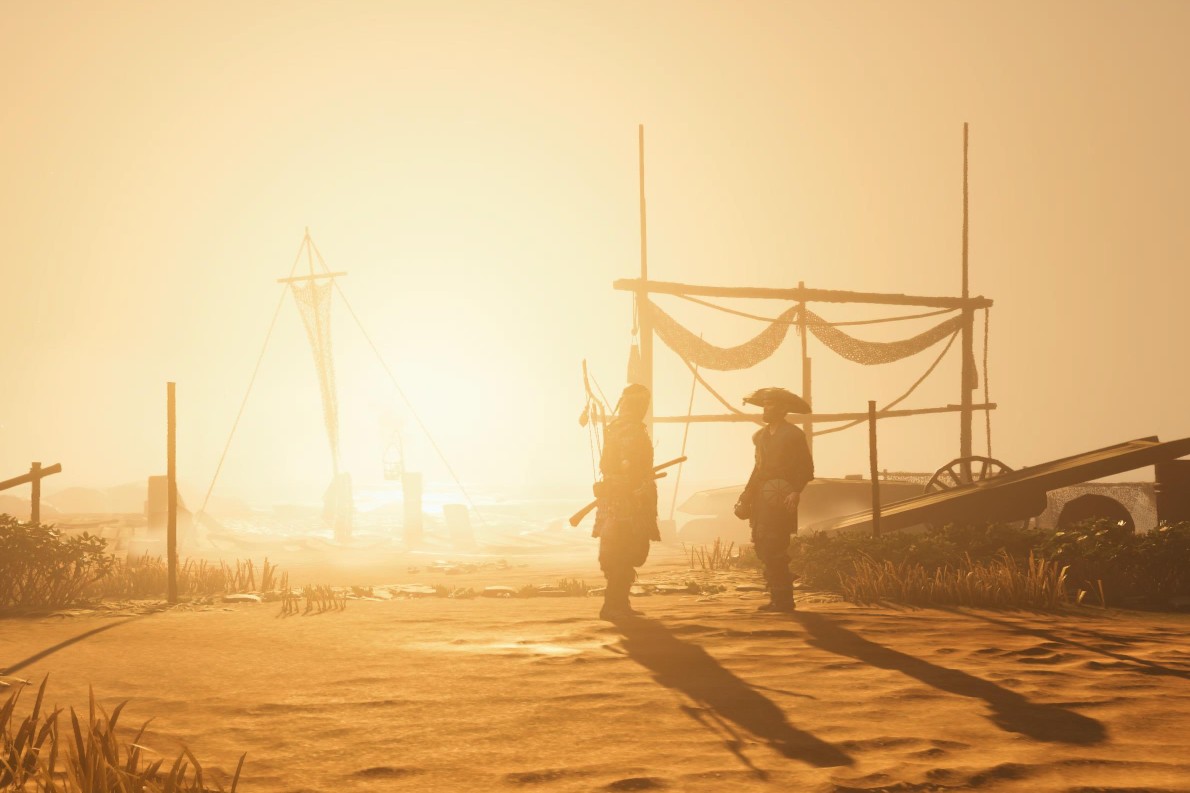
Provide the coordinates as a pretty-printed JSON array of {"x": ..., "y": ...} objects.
[
  {"x": 689, "y": 669},
  {"x": 1010, "y": 711},
  {"x": 1140, "y": 665},
  {"x": 62, "y": 645}
]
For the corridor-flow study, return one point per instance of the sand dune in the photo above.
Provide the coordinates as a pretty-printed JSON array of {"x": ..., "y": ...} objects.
[{"x": 442, "y": 695}]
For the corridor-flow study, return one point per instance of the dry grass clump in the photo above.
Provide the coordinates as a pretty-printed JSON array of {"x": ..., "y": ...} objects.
[
  {"x": 147, "y": 576},
  {"x": 574, "y": 587},
  {"x": 319, "y": 599},
  {"x": 1002, "y": 582},
  {"x": 34, "y": 757},
  {"x": 720, "y": 556},
  {"x": 566, "y": 587}
]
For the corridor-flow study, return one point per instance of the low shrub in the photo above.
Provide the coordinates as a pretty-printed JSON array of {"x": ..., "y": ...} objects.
[
  {"x": 40, "y": 568},
  {"x": 1108, "y": 562},
  {"x": 1132, "y": 569}
]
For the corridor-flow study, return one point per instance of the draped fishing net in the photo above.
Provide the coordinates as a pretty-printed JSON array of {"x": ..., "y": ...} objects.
[
  {"x": 314, "y": 304},
  {"x": 870, "y": 353},
  {"x": 694, "y": 349}
]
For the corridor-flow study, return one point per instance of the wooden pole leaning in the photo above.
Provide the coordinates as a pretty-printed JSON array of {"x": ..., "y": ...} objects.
[
  {"x": 874, "y": 469},
  {"x": 171, "y": 484}
]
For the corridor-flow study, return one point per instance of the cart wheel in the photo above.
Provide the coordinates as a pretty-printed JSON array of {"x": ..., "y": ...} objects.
[{"x": 950, "y": 476}]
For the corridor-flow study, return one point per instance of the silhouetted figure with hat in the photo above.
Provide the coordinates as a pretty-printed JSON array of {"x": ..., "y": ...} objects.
[
  {"x": 782, "y": 470},
  {"x": 626, "y": 520}
]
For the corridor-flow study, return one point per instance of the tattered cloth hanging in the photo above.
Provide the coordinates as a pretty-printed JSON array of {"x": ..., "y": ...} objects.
[
  {"x": 314, "y": 304},
  {"x": 743, "y": 356}
]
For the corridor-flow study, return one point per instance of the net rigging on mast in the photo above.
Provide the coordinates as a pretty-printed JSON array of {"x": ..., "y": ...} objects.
[{"x": 312, "y": 293}]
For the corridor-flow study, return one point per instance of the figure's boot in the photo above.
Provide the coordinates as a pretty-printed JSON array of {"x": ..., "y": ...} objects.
[
  {"x": 780, "y": 590},
  {"x": 780, "y": 602},
  {"x": 615, "y": 597}
]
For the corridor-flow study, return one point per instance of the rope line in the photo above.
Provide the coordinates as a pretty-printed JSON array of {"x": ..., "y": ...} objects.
[
  {"x": 673, "y": 504},
  {"x": 903, "y": 396},
  {"x": 412, "y": 410},
  {"x": 702, "y": 381},
  {"x": 252, "y": 380}
]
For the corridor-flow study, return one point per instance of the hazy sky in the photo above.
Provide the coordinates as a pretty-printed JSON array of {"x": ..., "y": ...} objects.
[{"x": 473, "y": 167}]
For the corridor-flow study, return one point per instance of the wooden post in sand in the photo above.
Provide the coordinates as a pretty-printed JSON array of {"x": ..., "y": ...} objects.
[
  {"x": 35, "y": 498},
  {"x": 34, "y": 477},
  {"x": 171, "y": 485},
  {"x": 874, "y": 471}
]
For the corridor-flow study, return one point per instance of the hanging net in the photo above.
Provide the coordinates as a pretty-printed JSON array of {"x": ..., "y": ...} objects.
[
  {"x": 870, "y": 353},
  {"x": 691, "y": 347},
  {"x": 314, "y": 304}
]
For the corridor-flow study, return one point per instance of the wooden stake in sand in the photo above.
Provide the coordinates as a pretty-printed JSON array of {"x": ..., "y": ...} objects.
[{"x": 171, "y": 486}]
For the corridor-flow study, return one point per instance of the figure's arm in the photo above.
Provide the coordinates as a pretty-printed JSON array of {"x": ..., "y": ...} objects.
[{"x": 803, "y": 462}]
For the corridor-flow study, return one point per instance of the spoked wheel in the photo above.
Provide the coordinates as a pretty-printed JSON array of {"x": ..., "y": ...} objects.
[
  {"x": 951, "y": 475},
  {"x": 1015, "y": 511}
]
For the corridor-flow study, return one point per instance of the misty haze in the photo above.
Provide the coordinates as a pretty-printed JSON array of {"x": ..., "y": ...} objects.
[{"x": 689, "y": 396}]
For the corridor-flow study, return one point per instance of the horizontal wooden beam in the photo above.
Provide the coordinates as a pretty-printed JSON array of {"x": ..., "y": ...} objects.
[
  {"x": 756, "y": 418},
  {"x": 25, "y": 479},
  {"x": 314, "y": 277},
  {"x": 799, "y": 294}
]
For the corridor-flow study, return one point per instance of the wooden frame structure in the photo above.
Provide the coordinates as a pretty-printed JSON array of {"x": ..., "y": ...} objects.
[
  {"x": 34, "y": 477},
  {"x": 643, "y": 287}
]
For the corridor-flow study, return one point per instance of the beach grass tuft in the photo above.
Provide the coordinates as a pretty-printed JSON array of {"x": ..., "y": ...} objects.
[
  {"x": 1003, "y": 582},
  {"x": 719, "y": 556},
  {"x": 91, "y": 757}
]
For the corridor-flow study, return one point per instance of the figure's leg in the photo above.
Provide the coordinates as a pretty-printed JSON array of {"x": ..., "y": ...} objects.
[
  {"x": 618, "y": 570},
  {"x": 773, "y": 550},
  {"x": 616, "y": 597}
]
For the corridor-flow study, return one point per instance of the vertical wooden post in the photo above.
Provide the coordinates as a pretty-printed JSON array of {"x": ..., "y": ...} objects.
[
  {"x": 35, "y": 498},
  {"x": 968, "y": 371},
  {"x": 645, "y": 321},
  {"x": 807, "y": 425},
  {"x": 875, "y": 473},
  {"x": 171, "y": 485}
]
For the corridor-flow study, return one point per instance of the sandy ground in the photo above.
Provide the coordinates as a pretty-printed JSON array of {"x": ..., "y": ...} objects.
[{"x": 538, "y": 694}]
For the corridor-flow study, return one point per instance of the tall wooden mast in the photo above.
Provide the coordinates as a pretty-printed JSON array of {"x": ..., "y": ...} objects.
[
  {"x": 968, "y": 366},
  {"x": 644, "y": 320}
]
